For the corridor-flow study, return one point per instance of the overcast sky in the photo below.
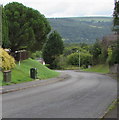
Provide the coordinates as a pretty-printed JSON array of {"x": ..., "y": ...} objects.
[{"x": 69, "y": 8}]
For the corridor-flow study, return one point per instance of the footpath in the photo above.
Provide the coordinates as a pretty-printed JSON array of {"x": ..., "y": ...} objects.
[
  {"x": 35, "y": 83},
  {"x": 112, "y": 114}
]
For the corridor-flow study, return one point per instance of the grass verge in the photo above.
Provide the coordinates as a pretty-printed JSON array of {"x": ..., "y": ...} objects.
[
  {"x": 111, "y": 107},
  {"x": 103, "y": 68},
  {"x": 22, "y": 73}
]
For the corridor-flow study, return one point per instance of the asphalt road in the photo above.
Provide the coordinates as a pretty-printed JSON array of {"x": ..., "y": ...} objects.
[{"x": 83, "y": 95}]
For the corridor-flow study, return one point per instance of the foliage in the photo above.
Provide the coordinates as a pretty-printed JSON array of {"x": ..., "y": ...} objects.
[
  {"x": 37, "y": 54},
  {"x": 73, "y": 59},
  {"x": 52, "y": 49},
  {"x": 27, "y": 27},
  {"x": 115, "y": 54},
  {"x": 61, "y": 62},
  {"x": 23, "y": 72},
  {"x": 116, "y": 17},
  {"x": 82, "y": 29},
  {"x": 100, "y": 68},
  {"x": 7, "y": 62},
  {"x": 96, "y": 52},
  {"x": 5, "y": 39},
  {"x": 85, "y": 58},
  {"x": 109, "y": 59}
]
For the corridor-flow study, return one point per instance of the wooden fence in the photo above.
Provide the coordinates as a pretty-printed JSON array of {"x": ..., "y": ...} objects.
[{"x": 20, "y": 55}]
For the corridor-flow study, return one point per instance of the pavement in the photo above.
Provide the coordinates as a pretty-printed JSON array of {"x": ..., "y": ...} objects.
[
  {"x": 111, "y": 113},
  {"x": 35, "y": 83}
]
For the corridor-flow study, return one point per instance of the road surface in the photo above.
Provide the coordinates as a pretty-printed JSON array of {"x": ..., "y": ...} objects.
[{"x": 83, "y": 95}]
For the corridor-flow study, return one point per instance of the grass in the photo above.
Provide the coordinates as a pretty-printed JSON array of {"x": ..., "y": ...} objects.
[
  {"x": 70, "y": 67},
  {"x": 113, "y": 105},
  {"x": 110, "y": 108},
  {"x": 22, "y": 73},
  {"x": 103, "y": 68}
]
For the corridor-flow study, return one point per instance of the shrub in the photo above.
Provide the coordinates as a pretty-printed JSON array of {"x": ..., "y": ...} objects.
[
  {"x": 73, "y": 59},
  {"x": 85, "y": 59},
  {"x": 37, "y": 54},
  {"x": 7, "y": 62}
]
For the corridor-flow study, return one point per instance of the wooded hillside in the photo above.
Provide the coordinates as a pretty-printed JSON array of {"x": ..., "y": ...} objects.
[{"x": 82, "y": 29}]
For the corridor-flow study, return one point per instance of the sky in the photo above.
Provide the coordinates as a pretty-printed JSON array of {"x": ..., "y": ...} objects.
[{"x": 68, "y": 8}]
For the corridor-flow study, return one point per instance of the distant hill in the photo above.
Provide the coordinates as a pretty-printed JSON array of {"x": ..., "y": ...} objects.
[{"x": 82, "y": 29}]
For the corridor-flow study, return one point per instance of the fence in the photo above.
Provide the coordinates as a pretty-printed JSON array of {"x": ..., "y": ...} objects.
[
  {"x": 114, "y": 68},
  {"x": 20, "y": 55}
]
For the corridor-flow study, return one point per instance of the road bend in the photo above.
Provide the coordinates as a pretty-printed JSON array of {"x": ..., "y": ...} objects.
[{"x": 82, "y": 95}]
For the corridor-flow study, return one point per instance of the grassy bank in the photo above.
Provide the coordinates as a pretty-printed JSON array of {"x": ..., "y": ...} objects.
[
  {"x": 22, "y": 73},
  {"x": 99, "y": 69}
]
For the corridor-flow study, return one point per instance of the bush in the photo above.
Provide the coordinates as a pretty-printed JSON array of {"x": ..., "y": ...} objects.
[
  {"x": 47, "y": 65},
  {"x": 37, "y": 54},
  {"x": 7, "y": 62},
  {"x": 73, "y": 59},
  {"x": 85, "y": 59}
]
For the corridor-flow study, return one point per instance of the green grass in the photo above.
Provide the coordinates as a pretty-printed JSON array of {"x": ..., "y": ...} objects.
[
  {"x": 71, "y": 67},
  {"x": 22, "y": 73},
  {"x": 103, "y": 68},
  {"x": 110, "y": 108}
]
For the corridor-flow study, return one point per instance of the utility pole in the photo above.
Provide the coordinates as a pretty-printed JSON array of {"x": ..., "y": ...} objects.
[
  {"x": 0, "y": 25},
  {"x": 79, "y": 58},
  {"x": 0, "y": 53}
]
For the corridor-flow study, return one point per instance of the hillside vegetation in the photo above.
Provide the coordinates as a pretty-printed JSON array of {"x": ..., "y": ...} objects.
[
  {"x": 22, "y": 73},
  {"x": 82, "y": 29}
]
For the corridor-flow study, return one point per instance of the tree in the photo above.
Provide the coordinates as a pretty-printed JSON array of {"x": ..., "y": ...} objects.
[
  {"x": 115, "y": 52},
  {"x": 96, "y": 52},
  {"x": 52, "y": 49},
  {"x": 116, "y": 17},
  {"x": 0, "y": 25},
  {"x": 7, "y": 62},
  {"x": 5, "y": 39},
  {"x": 27, "y": 27},
  {"x": 85, "y": 58}
]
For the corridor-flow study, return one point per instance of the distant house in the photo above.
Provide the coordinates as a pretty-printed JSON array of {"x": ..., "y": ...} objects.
[
  {"x": 7, "y": 50},
  {"x": 41, "y": 60},
  {"x": 20, "y": 55}
]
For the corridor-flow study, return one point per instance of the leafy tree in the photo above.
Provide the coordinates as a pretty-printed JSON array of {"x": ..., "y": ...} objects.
[
  {"x": 7, "y": 62},
  {"x": 115, "y": 52},
  {"x": 96, "y": 52},
  {"x": 27, "y": 27},
  {"x": 109, "y": 55},
  {"x": 116, "y": 17},
  {"x": 85, "y": 58},
  {"x": 0, "y": 25},
  {"x": 73, "y": 59},
  {"x": 5, "y": 39},
  {"x": 52, "y": 49}
]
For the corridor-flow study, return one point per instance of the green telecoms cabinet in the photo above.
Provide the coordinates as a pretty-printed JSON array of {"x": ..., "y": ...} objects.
[{"x": 33, "y": 73}]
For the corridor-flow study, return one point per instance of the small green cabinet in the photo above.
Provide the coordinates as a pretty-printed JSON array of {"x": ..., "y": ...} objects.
[{"x": 33, "y": 73}]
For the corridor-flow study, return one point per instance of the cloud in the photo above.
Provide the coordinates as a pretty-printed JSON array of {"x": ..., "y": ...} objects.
[{"x": 70, "y": 8}]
